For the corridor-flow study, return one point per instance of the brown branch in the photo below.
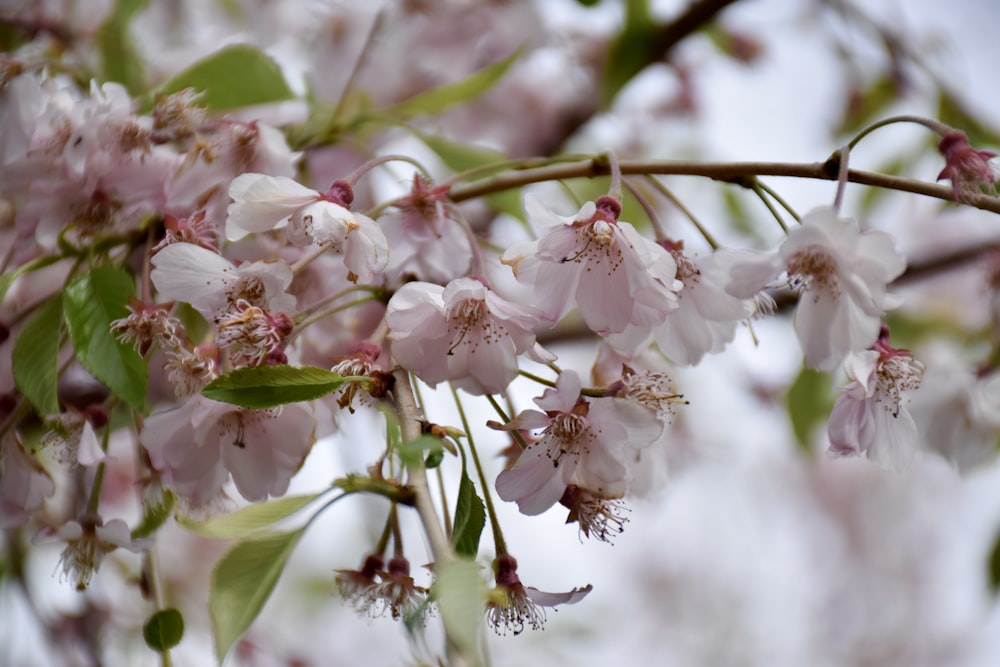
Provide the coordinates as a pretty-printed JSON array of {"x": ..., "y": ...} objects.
[{"x": 740, "y": 173}]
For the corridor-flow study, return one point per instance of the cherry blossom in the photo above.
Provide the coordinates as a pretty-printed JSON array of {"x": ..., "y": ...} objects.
[
  {"x": 706, "y": 316},
  {"x": 841, "y": 274},
  {"x": 197, "y": 445},
  {"x": 212, "y": 284},
  {"x": 24, "y": 483},
  {"x": 585, "y": 443},
  {"x": 262, "y": 202},
  {"x": 463, "y": 332},
  {"x": 591, "y": 260},
  {"x": 428, "y": 242},
  {"x": 871, "y": 416},
  {"x": 88, "y": 542},
  {"x": 511, "y": 605},
  {"x": 966, "y": 167}
]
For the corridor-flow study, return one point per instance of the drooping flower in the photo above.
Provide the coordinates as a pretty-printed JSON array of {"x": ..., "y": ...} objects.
[
  {"x": 841, "y": 274},
  {"x": 967, "y": 168},
  {"x": 427, "y": 241},
  {"x": 24, "y": 483},
  {"x": 584, "y": 442},
  {"x": 88, "y": 542},
  {"x": 359, "y": 587},
  {"x": 616, "y": 276},
  {"x": 363, "y": 362},
  {"x": 511, "y": 605},
  {"x": 262, "y": 203},
  {"x": 706, "y": 316},
  {"x": 212, "y": 284},
  {"x": 198, "y": 444},
  {"x": 463, "y": 332},
  {"x": 871, "y": 416},
  {"x": 397, "y": 593},
  {"x": 600, "y": 518}
]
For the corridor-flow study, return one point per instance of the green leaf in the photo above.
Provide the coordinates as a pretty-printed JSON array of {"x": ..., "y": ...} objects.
[
  {"x": 7, "y": 279},
  {"x": 470, "y": 518},
  {"x": 412, "y": 452},
  {"x": 440, "y": 98},
  {"x": 120, "y": 60},
  {"x": 241, "y": 583},
  {"x": 460, "y": 594},
  {"x": 993, "y": 566},
  {"x": 154, "y": 515},
  {"x": 463, "y": 157},
  {"x": 250, "y": 519},
  {"x": 233, "y": 77},
  {"x": 91, "y": 303},
  {"x": 952, "y": 112},
  {"x": 35, "y": 358},
  {"x": 635, "y": 47},
  {"x": 164, "y": 630},
  {"x": 809, "y": 402},
  {"x": 262, "y": 387}
]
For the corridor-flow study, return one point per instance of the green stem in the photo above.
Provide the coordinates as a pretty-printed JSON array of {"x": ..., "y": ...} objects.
[
  {"x": 505, "y": 419},
  {"x": 668, "y": 193},
  {"x": 355, "y": 175},
  {"x": 498, "y": 540},
  {"x": 776, "y": 197},
  {"x": 326, "y": 313},
  {"x": 929, "y": 123},
  {"x": 648, "y": 208},
  {"x": 770, "y": 207}
]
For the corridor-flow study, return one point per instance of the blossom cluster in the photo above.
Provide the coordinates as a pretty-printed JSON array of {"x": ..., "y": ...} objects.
[{"x": 240, "y": 270}]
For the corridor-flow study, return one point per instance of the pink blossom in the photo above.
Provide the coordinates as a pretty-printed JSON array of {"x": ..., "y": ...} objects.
[
  {"x": 512, "y": 605},
  {"x": 24, "y": 484},
  {"x": 463, "y": 332},
  {"x": 871, "y": 417},
  {"x": 88, "y": 542},
  {"x": 428, "y": 242},
  {"x": 211, "y": 283},
  {"x": 841, "y": 274},
  {"x": 616, "y": 276},
  {"x": 262, "y": 202},
  {"x": 586, "y": 443},
  {"x": 197, "y": 445},
  {"x": 706, "y": 316},
  {"x": 966, "y": 167}
]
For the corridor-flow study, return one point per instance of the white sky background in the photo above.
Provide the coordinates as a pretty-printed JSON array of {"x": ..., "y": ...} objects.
[{"x": 751, "y": 555}]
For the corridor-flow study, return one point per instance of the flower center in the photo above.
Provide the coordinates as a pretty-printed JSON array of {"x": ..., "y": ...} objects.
[
  {"x": 813, "y": 268},
  {"x": 470, "y": 323}
]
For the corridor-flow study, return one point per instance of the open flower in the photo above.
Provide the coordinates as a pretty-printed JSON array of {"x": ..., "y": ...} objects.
[
  {"x": 463, "y": 332},
  {"x": 841, "y": 274},
  {"x": 212, "y": 284},
  {"x": 585, "y": 443},
  {"x": 870, "y": 417},
  {"x": 88, "y": 542},
  {"x": 197, "y": 445},
  {"x": 706, "y": 316},
  {"x": 262, "y": 203},
  {"x": 512, "y": 605},
  {"x": 616, "y": 276}
]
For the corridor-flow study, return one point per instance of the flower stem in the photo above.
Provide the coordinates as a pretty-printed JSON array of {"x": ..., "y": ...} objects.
[
  {"x": 648, "y": 208},
  {"x": 778, "y": 198},
  {"x": 770, "y": 207},
  {"x": 929, "y": 123},
  {"x": 498, "y": 540},
  {"x": 666, "y": 192}
]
